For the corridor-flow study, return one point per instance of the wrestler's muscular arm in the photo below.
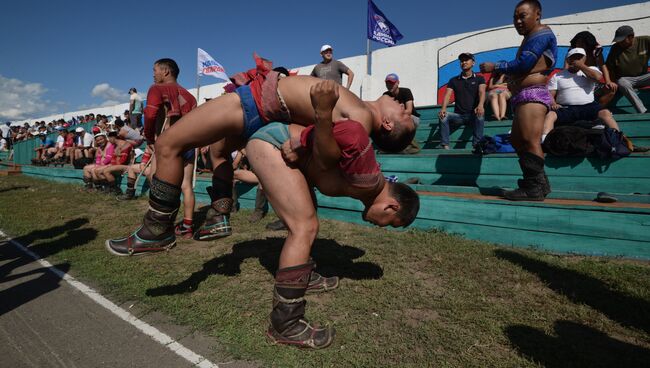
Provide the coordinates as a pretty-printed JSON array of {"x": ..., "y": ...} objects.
[{"x": 326, "y": 152}]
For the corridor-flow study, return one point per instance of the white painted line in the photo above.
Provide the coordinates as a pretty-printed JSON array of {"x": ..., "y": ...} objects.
[{"x": 146, "y": 328}]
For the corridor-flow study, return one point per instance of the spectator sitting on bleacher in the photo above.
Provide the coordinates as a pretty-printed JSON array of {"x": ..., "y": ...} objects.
[
  {"x": 573, "y": 94},
  {"x": 469, "y": 91},
  {"x": 119, "y": 162},
  {"x": 60, "y": 147},
  {"x": 129, "y": 134},
  {"x": 594, "y": 53},
  {"x": 103, "y": 156},
  {"x": 41, "y": 151},
  {"x": 498, "y": 94},
  {"x": 405, "y": 97},
  {"x": 628, "y": 64},
  {"x": 145, "y": 167},
  {"x": 83, "y": 145}
]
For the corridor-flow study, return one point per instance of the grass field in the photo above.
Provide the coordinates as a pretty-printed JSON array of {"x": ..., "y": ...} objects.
[{"x": 407, "y": 299}]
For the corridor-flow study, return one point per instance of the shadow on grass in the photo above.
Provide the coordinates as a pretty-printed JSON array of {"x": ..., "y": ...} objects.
[
  {"x": 15, "y": 187},
  {"x": 627, "y": 310},
  {"x": 332, "y": 259},
  {"x": 18, "y": 294},
  {"x": 575, "y": 345}
]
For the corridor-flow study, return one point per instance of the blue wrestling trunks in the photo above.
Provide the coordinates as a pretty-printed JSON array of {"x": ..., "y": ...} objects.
[{"x": 252, "y": 120}]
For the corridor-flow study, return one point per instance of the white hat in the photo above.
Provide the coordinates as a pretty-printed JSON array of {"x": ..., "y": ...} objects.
[
  {"x": 325, "y": 47},
  {"x": 576, "y": 50},
  {"x": 79, "y": 130}
]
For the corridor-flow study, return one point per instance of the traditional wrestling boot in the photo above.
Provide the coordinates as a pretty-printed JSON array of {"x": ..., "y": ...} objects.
[
  {"x": 531, "y": 187},
  {"x": 157, "y": 231},
  {"x": 546, "y": 188},
  {"x": 288, "y": 323},
  {"x": 261, "y": 207},
  {"x": 321, "y": 284},
  {"x": 217, "y": 220}
]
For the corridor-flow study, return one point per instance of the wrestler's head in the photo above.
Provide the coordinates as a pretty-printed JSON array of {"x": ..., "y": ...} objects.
[
  {"x": 528, "y": 14},
  {"x": 165, "y": 71},
  {"x": 397, "y": 128},
  {"x": 397, "y": 206}
]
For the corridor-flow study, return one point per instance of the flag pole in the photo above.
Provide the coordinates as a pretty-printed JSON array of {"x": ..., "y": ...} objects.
[
  {"x": 198, "y": 87},
  {"x": 368, "y": 57}
]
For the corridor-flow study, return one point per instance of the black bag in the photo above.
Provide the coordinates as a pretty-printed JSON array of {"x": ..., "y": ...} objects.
[{"x": 81, "y": 162}]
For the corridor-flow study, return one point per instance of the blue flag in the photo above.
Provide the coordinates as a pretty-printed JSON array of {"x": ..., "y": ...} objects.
[{"x": 380, "y": 29}]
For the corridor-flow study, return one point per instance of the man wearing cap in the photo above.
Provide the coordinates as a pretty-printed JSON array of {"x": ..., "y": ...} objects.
[
  {"x": 331, "y": 68},
  {"x": 404, "y": 97},
  {"x": 572, "y": 90},
  {"x": 135, "y": 109},
  {"x": 628, "y": 64},
  {"x": 469, "y": 91},
  {"x": 83, "y": 144}
]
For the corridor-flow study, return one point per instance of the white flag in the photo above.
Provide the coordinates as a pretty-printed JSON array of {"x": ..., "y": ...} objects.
[{"x": 208, "y": 66}]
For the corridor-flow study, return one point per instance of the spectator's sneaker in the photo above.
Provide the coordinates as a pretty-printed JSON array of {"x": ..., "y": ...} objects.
[
  {"x": 134, "y": 245},
  {"x": 276, "y": 225},
  {"x": 184, "y": 232},
  {"x": 128, "y": 195},
  {"x": 321, "y": 284},
  {"x": 216, "y": 226},
  {"x": 256, "y": 216}
]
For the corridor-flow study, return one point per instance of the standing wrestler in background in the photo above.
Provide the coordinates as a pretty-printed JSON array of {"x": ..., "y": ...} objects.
[{"x": 531, "y": 99}]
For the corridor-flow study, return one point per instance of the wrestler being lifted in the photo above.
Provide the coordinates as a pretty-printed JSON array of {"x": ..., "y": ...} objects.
[
  {"x": 338, "y": 159},
  {"x": 237, "y": 116},
  {"x": 531, "y": 99}
]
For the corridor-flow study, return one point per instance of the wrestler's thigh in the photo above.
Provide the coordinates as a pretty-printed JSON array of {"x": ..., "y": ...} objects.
[
  {"x": 208, "y": 123},
  {"x": 286, "y": 188},
  {"x": 529, "y": 120}
]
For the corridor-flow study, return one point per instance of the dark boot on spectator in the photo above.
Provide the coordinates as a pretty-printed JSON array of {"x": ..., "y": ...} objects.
[
  {"x": 276, "y": 225},
  {"x": 157, "y": 231},
  {"x": 88, "y": 184},
  {"x": 128, "y": 195},
  {"x": 114, "y": 189},
  {"x": 288, "y": 323},
  {"x": 531, "y": 187},
  {"x": 261, "y": 206},
  {"x": 217, "y": 220}
]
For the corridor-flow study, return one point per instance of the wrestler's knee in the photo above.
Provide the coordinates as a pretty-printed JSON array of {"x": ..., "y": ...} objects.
[
  {"x": 166, "y": 148},
  {"x": 306, "y": 228}
]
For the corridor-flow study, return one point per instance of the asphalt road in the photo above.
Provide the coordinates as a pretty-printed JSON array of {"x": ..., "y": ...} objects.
[{"x": 45, "y": 322}]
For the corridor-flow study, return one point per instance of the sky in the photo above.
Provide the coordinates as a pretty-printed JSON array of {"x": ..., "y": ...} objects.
[{"x": 67, "y": 55}]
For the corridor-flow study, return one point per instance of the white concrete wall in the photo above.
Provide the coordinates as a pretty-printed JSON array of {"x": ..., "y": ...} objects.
[{"x": 417, "y": 63}]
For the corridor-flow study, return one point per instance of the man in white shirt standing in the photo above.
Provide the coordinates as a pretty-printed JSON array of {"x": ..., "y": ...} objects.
[
  {"x": 135, "y": 109},
  {"x": 573, "y": 93}
]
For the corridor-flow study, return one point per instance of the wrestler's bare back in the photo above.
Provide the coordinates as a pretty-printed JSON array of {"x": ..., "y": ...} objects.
[{"x": 295, "y": 92}]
